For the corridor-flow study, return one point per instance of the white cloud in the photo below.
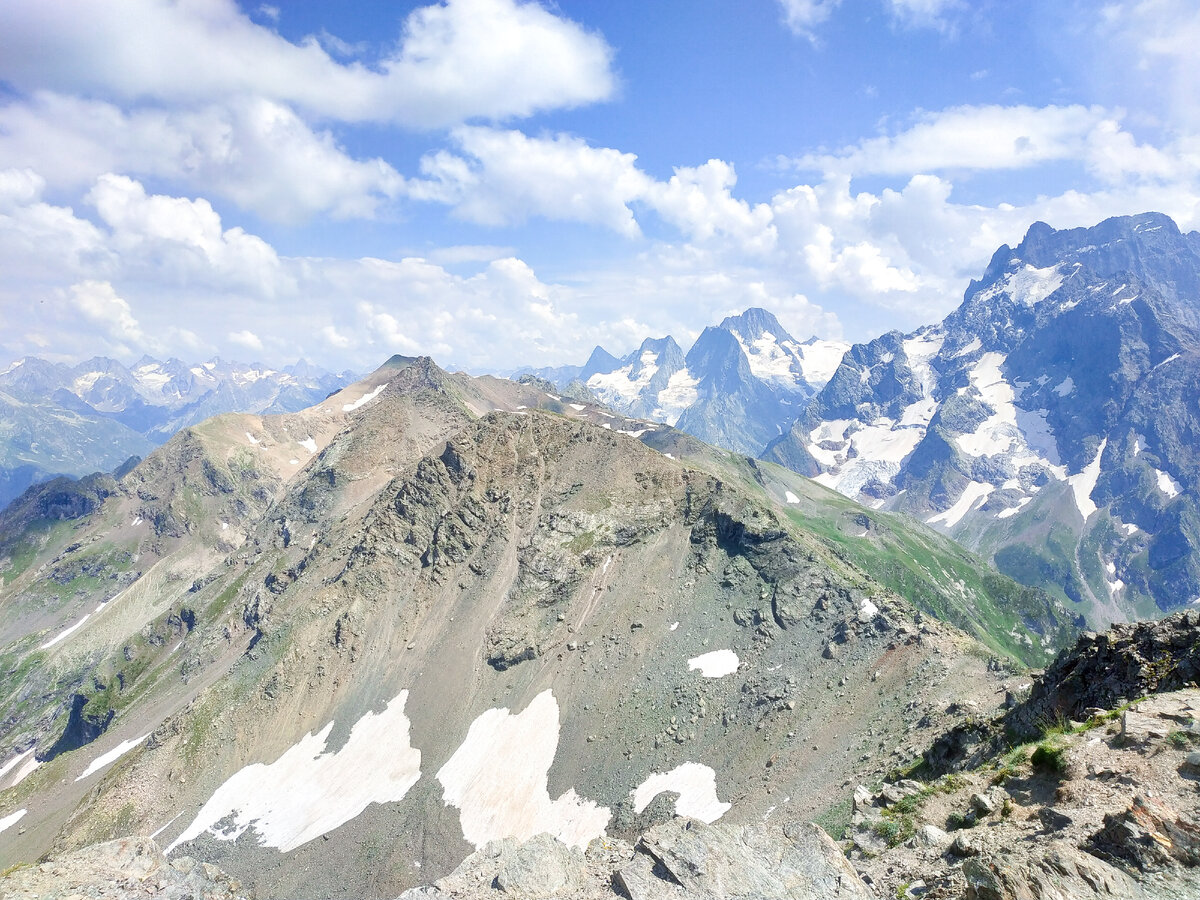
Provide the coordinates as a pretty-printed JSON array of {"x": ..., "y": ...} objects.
[
  {"x": 468, "y": 253},
  {"x": 970, "y": 137},
  {"x": 454, "y": 61},
  {"x": 246, "y": 338},
  {"x": 803, "y": 16},
  {"x": 506, "y": 177},
  {"x": 1144, "y": 52},
  {"x": 255, "y": 152},
  {"x": 97, "y": 301},
  {"x": 986, "y": 138},
  {"x": 699, "y": 201},
  {"x": 181, "y": 240},
  {"x": 924, "y": 13}
]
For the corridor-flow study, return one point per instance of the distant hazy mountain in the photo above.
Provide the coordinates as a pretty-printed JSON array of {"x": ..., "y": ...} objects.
[
  {"x": 742, "y": 383},
  {"x": 72, "y": 420},
  {"x": 1052, "y": 420}
]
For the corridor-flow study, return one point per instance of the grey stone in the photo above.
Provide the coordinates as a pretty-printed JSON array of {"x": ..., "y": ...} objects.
[{"x": 931, "y": 836}]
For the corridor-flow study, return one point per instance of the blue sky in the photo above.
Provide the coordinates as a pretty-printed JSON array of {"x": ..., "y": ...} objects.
[{"x": 507, "y": 182}]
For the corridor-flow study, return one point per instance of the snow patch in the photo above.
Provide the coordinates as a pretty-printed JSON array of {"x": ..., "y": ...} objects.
[
  {"x": 106, "y": 759},
  {"x": 678, "y": 395},
  {"x": 674, "y": 625},
  {"x": 1013, "y": 510},
  {"x": 874, "y": 451},
  {"x": 63, "y": 635},
  {"x": 10, "y": 820},
  {"x": 696, "y": 785},
  {"x": 770, "y": 360},
  {"x": 308, "y": 791},
  {"x": 25, "y": 770},
  {"x": 790, "y": 497},
  {"x": 622, "y": 387},
  {"x": 974, "y": 494},
  {"x": 251, "y": 438},
  {"x": 165, "y": 827},
  {"x": 1026, "y": 285},
  {"x": 364, "y": 399},
  {"x": 867, "y": 610},
  {"x": 716, "y": 664},
  {"x": 1167, "y": 484},
  {"x": 1066, "y": 388},
  {"x": 308, "y": 444},
  {"x": 1083, "y": 483},
  {"x": 975, "y": 344},
  {"x": 578, "y": 407},
  {"x": 498, "y": 780},
  {"x": 13, "y": 763},
  {"x": 819, "y": 360},
  {"x": 1129, "y": 528}
]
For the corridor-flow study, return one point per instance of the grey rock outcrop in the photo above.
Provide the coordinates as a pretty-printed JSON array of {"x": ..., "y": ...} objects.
[
  {"x": 679, "y": 859},
  {"x": 126, "y": 869}
]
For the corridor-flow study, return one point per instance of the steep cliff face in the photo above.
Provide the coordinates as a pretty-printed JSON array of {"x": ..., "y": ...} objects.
[{"x": 1032, "y": 424}]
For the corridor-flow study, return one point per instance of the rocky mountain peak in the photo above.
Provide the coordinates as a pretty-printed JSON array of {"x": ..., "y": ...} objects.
[{"x": 753, "y": 324}]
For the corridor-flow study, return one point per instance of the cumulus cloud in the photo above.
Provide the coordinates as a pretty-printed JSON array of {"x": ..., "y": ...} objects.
[
  {"x": 504, "y": 177},
  {"x": 182, "y": 240},
  {"x": 255, "y": 152},
  {"x": 454, "y": 61},
  {"x": 97, "y": 301}
]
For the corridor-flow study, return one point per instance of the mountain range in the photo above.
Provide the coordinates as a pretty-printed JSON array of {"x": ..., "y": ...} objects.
[
  {"x": 1049, "y": 422},
  {"x": 739, "y": 386},
  {"x": 57, "y": 419},
  {"x": 336, "y": 651}
]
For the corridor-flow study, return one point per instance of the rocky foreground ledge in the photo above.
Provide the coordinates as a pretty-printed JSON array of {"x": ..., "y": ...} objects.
[
  {"x": 126, "y": 869},
  {"x": 678, "y": 859}
]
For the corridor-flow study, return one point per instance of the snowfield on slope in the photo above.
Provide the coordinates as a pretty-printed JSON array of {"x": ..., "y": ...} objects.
[
  {"x": 696, "y": 786},
  {"x": 107, "y": 759},
  {"x": 307, "y": 791},
  {"x": 498, "y": 780}
]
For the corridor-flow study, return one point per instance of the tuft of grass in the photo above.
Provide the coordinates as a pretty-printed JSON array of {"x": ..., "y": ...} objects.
[
  {"x": 1180, "y": 740},
  {"x": 893, "y": 830},
  {"x": 836, "y": 819},
  {"x": 1049, "y": 759}
]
